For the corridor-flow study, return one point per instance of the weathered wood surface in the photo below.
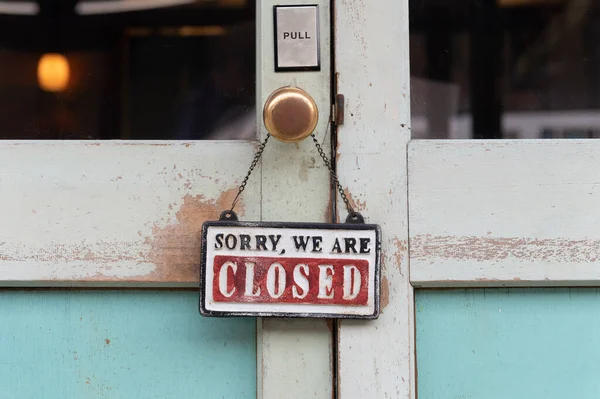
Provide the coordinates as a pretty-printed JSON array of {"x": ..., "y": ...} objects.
[
  {"x": 504, "y": 213},
  {"x": 295, "y": 356},
  {"x": 376, "y": 357},
  {"x": 114, "y": 213}
]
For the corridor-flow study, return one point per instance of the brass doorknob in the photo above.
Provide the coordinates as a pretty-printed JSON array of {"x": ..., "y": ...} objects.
[{"x": 290, "y": 114}]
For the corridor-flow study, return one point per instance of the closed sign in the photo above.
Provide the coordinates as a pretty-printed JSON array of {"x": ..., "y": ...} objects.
[{"x": 290, "y": 270}]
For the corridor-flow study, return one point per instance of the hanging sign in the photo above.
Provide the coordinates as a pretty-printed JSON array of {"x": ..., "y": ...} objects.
[{"x": 290, "y": 269}]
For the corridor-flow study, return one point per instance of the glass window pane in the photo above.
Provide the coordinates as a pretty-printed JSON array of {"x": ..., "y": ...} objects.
[
  {"x": 505, "y": 69},
  {"x": 128, "y": 70}
]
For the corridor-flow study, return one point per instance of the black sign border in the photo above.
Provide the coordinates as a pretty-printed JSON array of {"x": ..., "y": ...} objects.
[{"x": 291, "y": 225}]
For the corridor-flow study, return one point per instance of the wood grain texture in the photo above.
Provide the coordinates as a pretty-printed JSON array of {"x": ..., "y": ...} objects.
[
  {"x": 295, "y": 355},
  {"x": 113, "y": 213},
  {"x": 504, "y": 213},
  {"x": 508, "y": 343},
  {"x": 376, "y": 357},
  {"x": 121, "y": 344}
]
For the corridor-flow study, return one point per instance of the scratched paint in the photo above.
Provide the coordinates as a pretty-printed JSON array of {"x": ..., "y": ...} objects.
[
  {"x": 508, "y": 343},
  {"x": 482, "y": 249},
  {"x": 438, "y": 261},
  {"x": 121, "y": 344}
]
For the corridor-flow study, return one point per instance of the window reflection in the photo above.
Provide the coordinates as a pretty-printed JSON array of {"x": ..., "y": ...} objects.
[
  {"x": 505, "y": 68},
  {"x": 127, "y": 69}
]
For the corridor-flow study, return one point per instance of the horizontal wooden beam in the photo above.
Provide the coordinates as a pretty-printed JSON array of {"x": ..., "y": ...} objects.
[
  {"x": 114, "y": 213},
  {"x": 504, "y": 213}
]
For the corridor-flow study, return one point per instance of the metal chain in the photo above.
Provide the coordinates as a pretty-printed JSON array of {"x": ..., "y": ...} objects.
[
  {"x": 351, "y": 211},
  {"x": 352, "y": 215},
  {"x": 257, "y": 156}
]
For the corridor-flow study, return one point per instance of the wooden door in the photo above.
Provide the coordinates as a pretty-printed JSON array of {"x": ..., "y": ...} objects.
[{"x": 100, "y": 249}]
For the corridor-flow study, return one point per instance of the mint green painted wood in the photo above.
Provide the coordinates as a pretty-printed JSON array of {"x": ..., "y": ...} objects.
[
  {"x": 121, "y": 344},
  {"x": 508, "y": 343}
]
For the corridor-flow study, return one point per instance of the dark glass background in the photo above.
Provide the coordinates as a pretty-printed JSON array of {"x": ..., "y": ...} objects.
[
  {"x": 180, "y": 72},
  {"x": 480, "y": 69},
  {"x": 505, "y": 68}
]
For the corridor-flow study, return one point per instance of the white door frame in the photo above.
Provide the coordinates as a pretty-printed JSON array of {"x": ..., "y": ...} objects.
[{"x": 376, "y": 358}]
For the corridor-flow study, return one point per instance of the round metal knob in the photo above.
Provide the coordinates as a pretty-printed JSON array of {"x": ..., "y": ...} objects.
[{"x": 290, "y": 114}]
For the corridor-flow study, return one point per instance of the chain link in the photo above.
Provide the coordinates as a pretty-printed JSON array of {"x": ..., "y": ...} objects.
[
  {"x": 257, "y": 156},
  {"x": 352, "y": 214},
  {"x": 333, "y": 175}
]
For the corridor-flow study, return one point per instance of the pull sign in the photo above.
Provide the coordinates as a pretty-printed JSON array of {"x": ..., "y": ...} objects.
[
  {"x": 297, "y": 45},
  {"x": 290, "y": 270}
]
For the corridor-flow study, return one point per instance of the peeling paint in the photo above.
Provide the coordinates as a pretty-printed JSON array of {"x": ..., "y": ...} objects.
[
  {"x": 175, "y": 248},
  {"x": 357, "y": 204},
  {"x": 401, "y": 250},
  {"x": 485, "y": 249},
  {"x": 384, "y": 298}
]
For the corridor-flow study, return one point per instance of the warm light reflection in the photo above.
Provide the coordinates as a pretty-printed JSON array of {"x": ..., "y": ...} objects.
[{"x": 53, "y": 72}]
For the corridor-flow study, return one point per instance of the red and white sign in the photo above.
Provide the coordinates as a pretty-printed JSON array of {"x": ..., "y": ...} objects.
[{"x": 290, "y": 270}]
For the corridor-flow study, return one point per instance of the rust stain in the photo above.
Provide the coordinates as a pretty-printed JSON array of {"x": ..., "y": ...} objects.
[
  {"x": 485, "y": 249},
  {"x": 357, "y": 204},
  {"x": 107, "y": 341},
  {"x": 330, "y": 325},
  {"x": 338, "y": 155},
  {"x": 384, "y": 298},
  {"x": 175, "y": 248},
  {"x": 328, "y": 214}
]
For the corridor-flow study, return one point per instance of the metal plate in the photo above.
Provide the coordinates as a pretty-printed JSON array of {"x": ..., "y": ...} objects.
[
  {"x": 290, "y": 270},
  {"x": 297, "y": 44}
]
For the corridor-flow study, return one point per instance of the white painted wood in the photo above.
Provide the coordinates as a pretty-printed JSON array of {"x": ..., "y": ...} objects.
[
  {"x": 376, "y": 357},
  {"x": 294, "y": 355},
  {"x": 504, "y": 213},
  {"x": 115, "y": 212}
]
